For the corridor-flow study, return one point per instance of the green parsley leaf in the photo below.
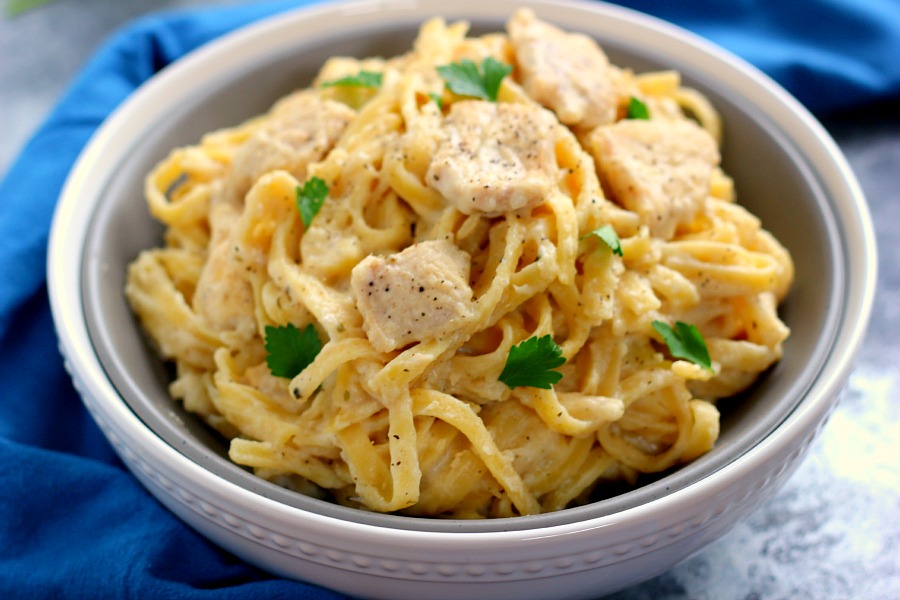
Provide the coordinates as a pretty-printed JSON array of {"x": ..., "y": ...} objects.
[
  {"x": 310, "y": 198},
  {"x": 494, "y": 72},
  {"x": 637, "y": 109},
  {"x": 368, "y": 79},
  {"x": 468, "y": 79},
  {"x": 685, "y": 342},
  {"x": 530, "y": 363},
  {"x": 609, "y": 236},
  {"x": 436, "y": 98},
  {"x": 290, "y": 350}
]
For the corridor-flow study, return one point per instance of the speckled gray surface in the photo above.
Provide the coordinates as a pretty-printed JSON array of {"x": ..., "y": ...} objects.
[{"x": 832, "y": 532}]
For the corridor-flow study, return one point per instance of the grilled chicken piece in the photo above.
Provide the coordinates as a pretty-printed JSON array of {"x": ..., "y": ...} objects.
[
  {"x": 495, "y": 157},
  {"x": 566, "y": 72},
  {"x": 419, "y": 294},
  {"x": 224, "y": 296},
  {"x": 658, "y": 169}
]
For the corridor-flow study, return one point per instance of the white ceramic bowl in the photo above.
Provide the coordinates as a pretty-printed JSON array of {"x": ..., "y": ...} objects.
[{"x": 787, "y": 170}]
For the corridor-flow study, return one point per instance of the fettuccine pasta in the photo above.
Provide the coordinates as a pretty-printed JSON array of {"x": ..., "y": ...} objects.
[{"x": 450, "y": 229}]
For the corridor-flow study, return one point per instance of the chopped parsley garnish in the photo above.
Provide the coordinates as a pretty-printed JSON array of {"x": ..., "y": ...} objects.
[
  {"x": 436, "y": 98},
  {"x": 685, "y": 342},
  {"x": 310, "y": 198},
  {"x": 367, "y": 79},
  {"x": 637, "y": 109},
  {"x": 609, "y": 237},
  {"x": 531, "y": 364},
  {"x": 468, "y": 79},
  {"x": 289, "y": 350}
]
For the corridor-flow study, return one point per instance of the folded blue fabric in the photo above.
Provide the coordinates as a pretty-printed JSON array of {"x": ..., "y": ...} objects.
[{"x": 73, "y": 522}]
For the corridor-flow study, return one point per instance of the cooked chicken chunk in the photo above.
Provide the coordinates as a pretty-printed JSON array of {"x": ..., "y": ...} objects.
[
  {"x": 303, "y": 129},
  {"x": 566, "y": 72},
  {"x": 658, "y": 169},
  {"x": 224, "y": 296},
  {"x": 419, "y": 294},
  {"x": 495, "y": 157}
]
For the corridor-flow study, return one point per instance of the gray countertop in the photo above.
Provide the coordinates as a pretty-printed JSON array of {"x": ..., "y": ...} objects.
[{"x": 832, "y": 532}]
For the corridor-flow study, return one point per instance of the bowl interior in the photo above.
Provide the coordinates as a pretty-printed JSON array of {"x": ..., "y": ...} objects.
[{"x": 773, "y": 180}]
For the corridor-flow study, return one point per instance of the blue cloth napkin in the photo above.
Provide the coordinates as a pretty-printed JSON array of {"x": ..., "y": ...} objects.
[{"x": 73, "y": 522}]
